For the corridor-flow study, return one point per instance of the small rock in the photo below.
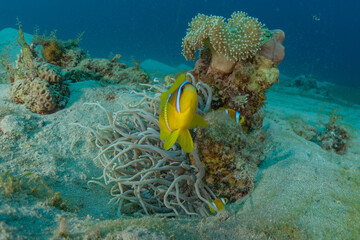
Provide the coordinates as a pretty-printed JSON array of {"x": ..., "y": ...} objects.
[
  {"x": 13, "y": 126},
  {"x": 223, "y": 215},
  {"x": 41, "y": 123}
]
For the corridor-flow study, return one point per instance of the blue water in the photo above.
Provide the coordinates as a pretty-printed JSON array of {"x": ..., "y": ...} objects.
[{"x": 321, "y": 35}]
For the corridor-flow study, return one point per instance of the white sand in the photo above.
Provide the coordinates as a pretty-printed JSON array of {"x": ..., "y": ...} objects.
[{"x": 302, "y": 191}]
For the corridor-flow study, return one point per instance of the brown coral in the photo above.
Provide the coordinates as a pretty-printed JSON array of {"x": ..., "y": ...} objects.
[
  {"x": 52, "y": 52},
  {"x": 249, "y": 78},
  {"x": 237, "y": 39},
  {"x": 39, "y": 95},
  {"x": 230, "y": 156},
  {"x": 39, "y": 85},
  {"x": 58, "y": 52}
]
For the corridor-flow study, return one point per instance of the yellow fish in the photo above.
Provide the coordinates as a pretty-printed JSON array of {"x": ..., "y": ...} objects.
[
  {"x": 177, "y": 114},
  {"x": 234, "y": 115},
  {"x": 219, "y": 203}
]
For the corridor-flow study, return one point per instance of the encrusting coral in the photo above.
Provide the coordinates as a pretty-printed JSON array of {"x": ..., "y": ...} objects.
[
  {"x": 143, "y": 177},
  {"x": 230, "y": 155},
  {"x": 238, "y": 38}
]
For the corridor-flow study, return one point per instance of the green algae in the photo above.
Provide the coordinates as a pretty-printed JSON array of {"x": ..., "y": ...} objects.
[{"x": 27, "y": 183}]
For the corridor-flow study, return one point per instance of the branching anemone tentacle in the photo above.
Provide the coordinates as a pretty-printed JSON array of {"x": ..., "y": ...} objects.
[{"x": 140, "y": 175}]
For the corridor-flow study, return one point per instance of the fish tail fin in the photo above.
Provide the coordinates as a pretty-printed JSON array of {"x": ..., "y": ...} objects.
[
  {"x": 185, "y": 141},
  {"x": 171, "y": 139},
  {"x": 198, "y": 121}
]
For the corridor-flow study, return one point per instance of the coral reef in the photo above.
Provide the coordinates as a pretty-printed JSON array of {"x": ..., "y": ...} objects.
[
  {"x": 143, "y": 177},
  {"x": 334, "y": 137},
  {"x": 107, "y": 71},
  {"x": 238, "y": 38},
  {"x": 243, "y": 90},
  {"x": 41, "y": 90},
  {"x": 37, "y": 84},
  {"x": 239, "y": 62},
  {"x": 331, "y": 136},
  {"x": 230, "y": 155},
  {"x": 308, "y": 84},
  {"x": 78, "y": 66},
  {"x": 60, "y": 53}
]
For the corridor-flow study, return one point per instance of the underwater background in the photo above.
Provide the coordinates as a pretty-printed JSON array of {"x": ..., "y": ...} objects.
[
  {"x": 90, "y": 146},
  {"x": 321, "y": 35}
]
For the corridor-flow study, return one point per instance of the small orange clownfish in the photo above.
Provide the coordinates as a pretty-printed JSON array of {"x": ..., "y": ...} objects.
[
  {"x": 219, "y": 203},
  {"x": 234, "y": 115},
  {"x": 177, "y": 114}
]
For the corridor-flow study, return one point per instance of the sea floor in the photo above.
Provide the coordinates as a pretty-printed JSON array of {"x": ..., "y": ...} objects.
[{"x": 301, "y": 192}]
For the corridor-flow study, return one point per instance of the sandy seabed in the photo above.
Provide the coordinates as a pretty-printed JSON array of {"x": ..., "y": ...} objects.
[{"x": 301, "y": 192}]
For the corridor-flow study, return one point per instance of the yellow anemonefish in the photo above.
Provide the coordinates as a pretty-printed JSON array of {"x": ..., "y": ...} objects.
[
  {"x": 234, "y": 115},
  {"x": 219, "y": 203},
  {"x": 177, "y": 114}
]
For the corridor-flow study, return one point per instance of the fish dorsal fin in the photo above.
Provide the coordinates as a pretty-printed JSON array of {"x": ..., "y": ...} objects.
[
  {"x": 179, "y": 80},
  {"x": 185, "y": 141},
  {"x": 198, "y": 121}
]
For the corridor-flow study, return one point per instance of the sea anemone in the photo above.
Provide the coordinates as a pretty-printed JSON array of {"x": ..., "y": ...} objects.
[{"x": 143, "y": 177}]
